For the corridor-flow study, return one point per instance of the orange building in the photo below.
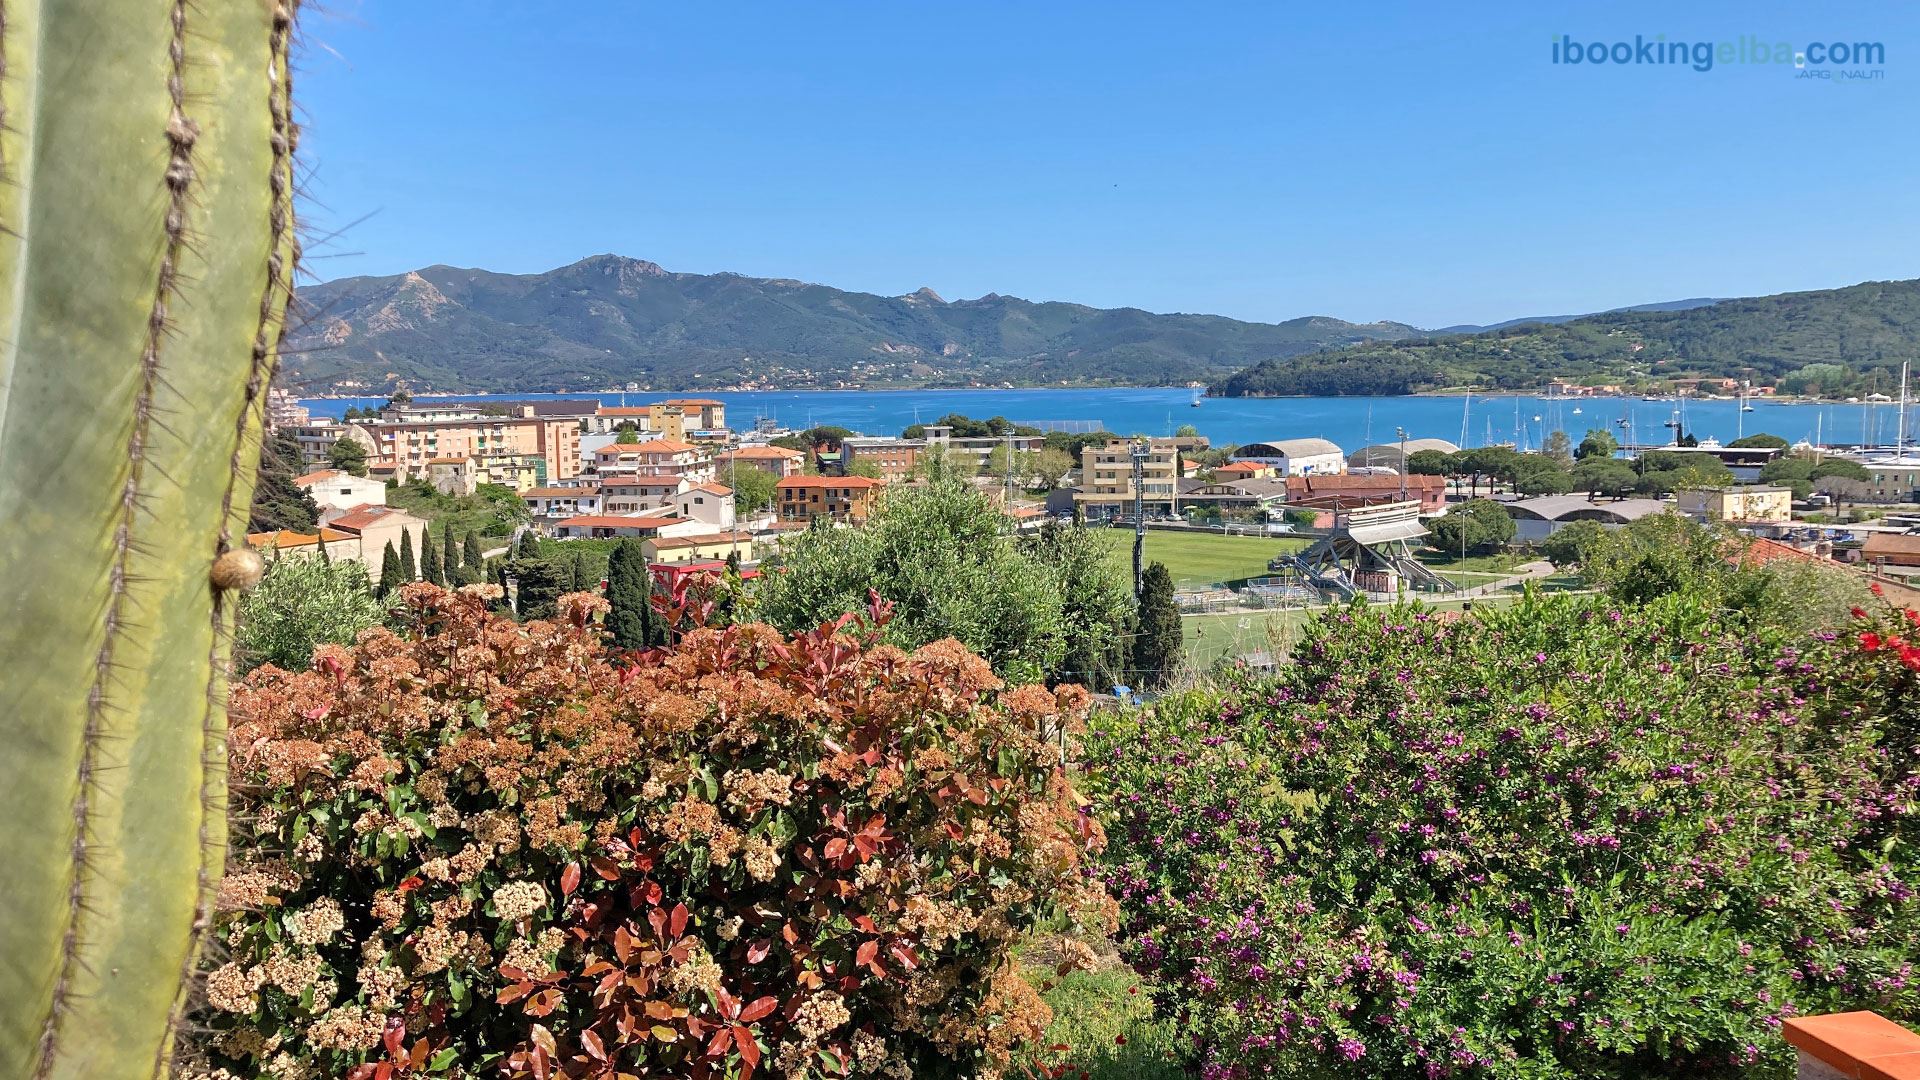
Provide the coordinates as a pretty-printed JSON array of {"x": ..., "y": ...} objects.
[
  {"x": 493, "y": 443},
  {"x": 777, "y": 460},
  {"x": 846, "y": 499}
]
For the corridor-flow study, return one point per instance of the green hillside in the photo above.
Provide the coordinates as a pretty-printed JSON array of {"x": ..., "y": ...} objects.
[
  {"x": 609, "y": 320},
  {"x": 1832, "y": 342}
]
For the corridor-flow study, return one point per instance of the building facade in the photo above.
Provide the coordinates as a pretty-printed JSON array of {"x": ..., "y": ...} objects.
[
  {"x": 778, "y": 460},
  {"x": 847, "y": 499},
  {"x": 1768, "y": 504},
  {"x": 892, "y": 460},
  {"x": 1296, "y": 457},
  {"x": 332, "y": 489},
  {"x": 1106, "y": 480}
]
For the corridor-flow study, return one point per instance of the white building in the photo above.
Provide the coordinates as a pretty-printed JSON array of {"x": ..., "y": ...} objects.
[
  {"x": 1296, "y": 457},
  {"x": 336, "y": 490},
  {"x": 711, "y": 504}
]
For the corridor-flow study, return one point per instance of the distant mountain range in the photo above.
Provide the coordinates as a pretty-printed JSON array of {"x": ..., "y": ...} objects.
[
  {"x": 1829, "y": 342},
  {"x": 608, "y": 320}
]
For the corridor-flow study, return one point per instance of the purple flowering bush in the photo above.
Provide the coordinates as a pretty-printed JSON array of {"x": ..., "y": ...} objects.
[{"x": 1563, "y": 839}]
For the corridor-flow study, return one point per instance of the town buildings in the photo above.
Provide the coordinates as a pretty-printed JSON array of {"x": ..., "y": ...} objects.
[
  {"x": 892, "y": 460},
  {"x": 777, "y": 460},
  {"x": 1106, "y": 479},
  {"x": 616, "y": 526},
  {"x": 332, "y": 489},
  {"x": 846, "y": 499},
  {"x": 1739, "y": 504},
  {"x": 522, "y": 450},
  {"x": 1295, "y": 457},
  {"x": 655, "y": 458},
  {"x": 1429, "y": 491},
  {"x": 559, "y": 502}
]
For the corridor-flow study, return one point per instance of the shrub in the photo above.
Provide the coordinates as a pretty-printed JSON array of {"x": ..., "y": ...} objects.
[
  {"x": 485, "y": 846},
  {"x": 1561, "y": 840},
  {"x": 302, "y": 601}
]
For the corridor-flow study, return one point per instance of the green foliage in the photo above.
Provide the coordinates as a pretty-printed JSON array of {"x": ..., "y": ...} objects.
[
  {"x": 627, "y": 436},
  {"x": 1104, "y": 1019},
  {"x": 1430, "y": 463},
  {"x": 1097, "y": 605},
  {"x": 1598, "y": 443},
  {"x": 1558, "y": 447},
  {"x": 1478, "y": 527},
  {"x": 631, "y": 620},
  {"x": 1663, "y": 472},
  {"x": 277, "y": 503},
  {"x": 1570, "y": 840},
  {"x": 493, "y": 510},
  {"x": 943, "y": 554},
  {"x": 347, "y": 455},
  {"x": 1605, "y": 476},
  {"x": 432, "y": 570},
  {"x": 409, "y": 570},
  {"x": 450, "y": 559},
  {"x": 1666, "y": 554},
  {"x": 472, "y": 559},
  {"x": 1157, "y": 652},
  {"x": 302, "y": 602},
  {"x": 753, "y": 489},
  {"x": 1760, "y": 439},
  {"x": 1792, "y": 338},
  {"x": 1572, "y": 543},
  {"x": 540, "y": 583},
  {"x": 966, "y": 427},
  {"x": 1800, "y": 471},
  {"x": 392, "y": 574}
]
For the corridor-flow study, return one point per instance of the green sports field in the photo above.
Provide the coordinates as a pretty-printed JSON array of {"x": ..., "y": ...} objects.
[{"x": 1197, "y": 559}]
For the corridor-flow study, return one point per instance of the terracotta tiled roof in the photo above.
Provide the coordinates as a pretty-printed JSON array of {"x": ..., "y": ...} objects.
[
  {"x": 692, "y": 401},
  {"x": 616, "y": 521},
  {"x": 711, "y": 488},
  {"x": 666, "y": 543},
  {"x": 621, "y": 410},
  {"x": 366, "y": 514},
  {"x": 447, "y": 461},
  {"x": 1234, "y": 468},
  {"x": 828, "y": 482},
  {"x": 319, "y": 476},
  {"x": 287, "y": 538},
  {"x": 763, "y": 453},
  {"x": 561, "y": 493}
]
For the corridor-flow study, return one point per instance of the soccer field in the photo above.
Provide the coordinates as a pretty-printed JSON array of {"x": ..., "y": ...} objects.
[
  {"x": 1210, "y": 637},
  {"x": 1196, "y": 559}
]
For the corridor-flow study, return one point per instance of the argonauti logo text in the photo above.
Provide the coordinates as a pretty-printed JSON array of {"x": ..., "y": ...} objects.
[{"x": 1706, "y": 55}]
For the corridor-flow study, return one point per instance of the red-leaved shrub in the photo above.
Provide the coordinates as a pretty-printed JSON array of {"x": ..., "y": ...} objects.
[{"x": 483, "y": 847}]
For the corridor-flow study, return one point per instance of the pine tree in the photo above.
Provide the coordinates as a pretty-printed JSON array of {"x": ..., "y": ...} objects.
[
  {"x": 1156, "y": 643},
  {"x": 408, "y": 567},
  {"x": 475, "y": 561},
  {"x": 527, "y": 548},
  {"x": 431, "y": 568},
  {"x": 631, "y": 618},
  {"x": 450, "y": 559},
  {"x": 390, "y": 578}
]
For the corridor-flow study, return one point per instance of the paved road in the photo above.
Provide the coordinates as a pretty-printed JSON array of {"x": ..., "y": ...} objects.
[{"x": 1532, "y": 571}]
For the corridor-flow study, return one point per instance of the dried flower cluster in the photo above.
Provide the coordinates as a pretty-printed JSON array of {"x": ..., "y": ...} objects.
[{"x": 479, "y": 846}]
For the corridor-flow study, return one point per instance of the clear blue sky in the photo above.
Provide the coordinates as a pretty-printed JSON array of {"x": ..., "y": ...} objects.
[{"x": 1419, "y": 161}]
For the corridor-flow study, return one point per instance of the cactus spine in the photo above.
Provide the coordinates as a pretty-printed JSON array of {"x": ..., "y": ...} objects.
[{"x": 146, "y": 256}]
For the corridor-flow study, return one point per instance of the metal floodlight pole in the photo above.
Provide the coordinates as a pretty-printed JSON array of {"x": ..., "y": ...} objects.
[{"x": 1139, "y": 451}]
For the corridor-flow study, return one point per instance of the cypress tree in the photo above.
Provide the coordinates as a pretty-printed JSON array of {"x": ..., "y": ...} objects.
[
  {"x": 1156, "y": 642},
  {"x": 541, "y": 583},
  {"x": 631, "y": 618},
  {"x": 450, "y": 559},
  {"x": 475, "y": 561},
  {"x": 408, "y": 567},
  {"x": 503, "y": 605},
  {"x": 583, "y": 579},
  {"x": 431, "y": 568},
  {"x": 322, "y": 545},
  {"x": 390, "y": 578},
  {"x": 528, "y": 548}
]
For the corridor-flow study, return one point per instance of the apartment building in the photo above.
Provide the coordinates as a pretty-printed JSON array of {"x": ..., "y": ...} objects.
[
  {"x": 409, "y": 438},
  {"x": 332, "y": 489},
  {"x": 316, "y": 440},
  {"x": 893, "y": 460},
  {"x": 654, "y": 458},
  {"x": 777, "y": 460},
  {"x": 941, "y": 440},
  {"x": 637, "y": 494},
  {"x": 558, "y": 502},
  {"x": 1296, "y": 457},
  {"x": 697, "y": 414},
  {"x": 1769, "y": 504},
  {"x": 648, "y": 420},
  {"x": 1106, "y": 479},
  {"x": 847, "y": 499}
]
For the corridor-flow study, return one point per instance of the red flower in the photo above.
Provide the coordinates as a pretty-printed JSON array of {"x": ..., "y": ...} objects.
[
  {"x": 1859, "y": 613},
  {"x": 1870, "y": 642}
]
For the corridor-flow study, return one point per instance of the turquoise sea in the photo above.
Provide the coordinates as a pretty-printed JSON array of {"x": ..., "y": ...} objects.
[{"x": 1352, "y": 422}]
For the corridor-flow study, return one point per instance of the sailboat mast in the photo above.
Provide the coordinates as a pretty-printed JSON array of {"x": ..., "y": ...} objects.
[{"x": 1900, "y": 442}]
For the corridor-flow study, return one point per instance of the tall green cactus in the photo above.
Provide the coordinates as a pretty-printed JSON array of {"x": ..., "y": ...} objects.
[{"x": 146, "y": 253}]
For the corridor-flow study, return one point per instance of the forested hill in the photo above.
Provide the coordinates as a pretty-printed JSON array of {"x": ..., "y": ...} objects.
[
  {"x": 609, "y": 320},
  {"x": 1833, "y": 341}
]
